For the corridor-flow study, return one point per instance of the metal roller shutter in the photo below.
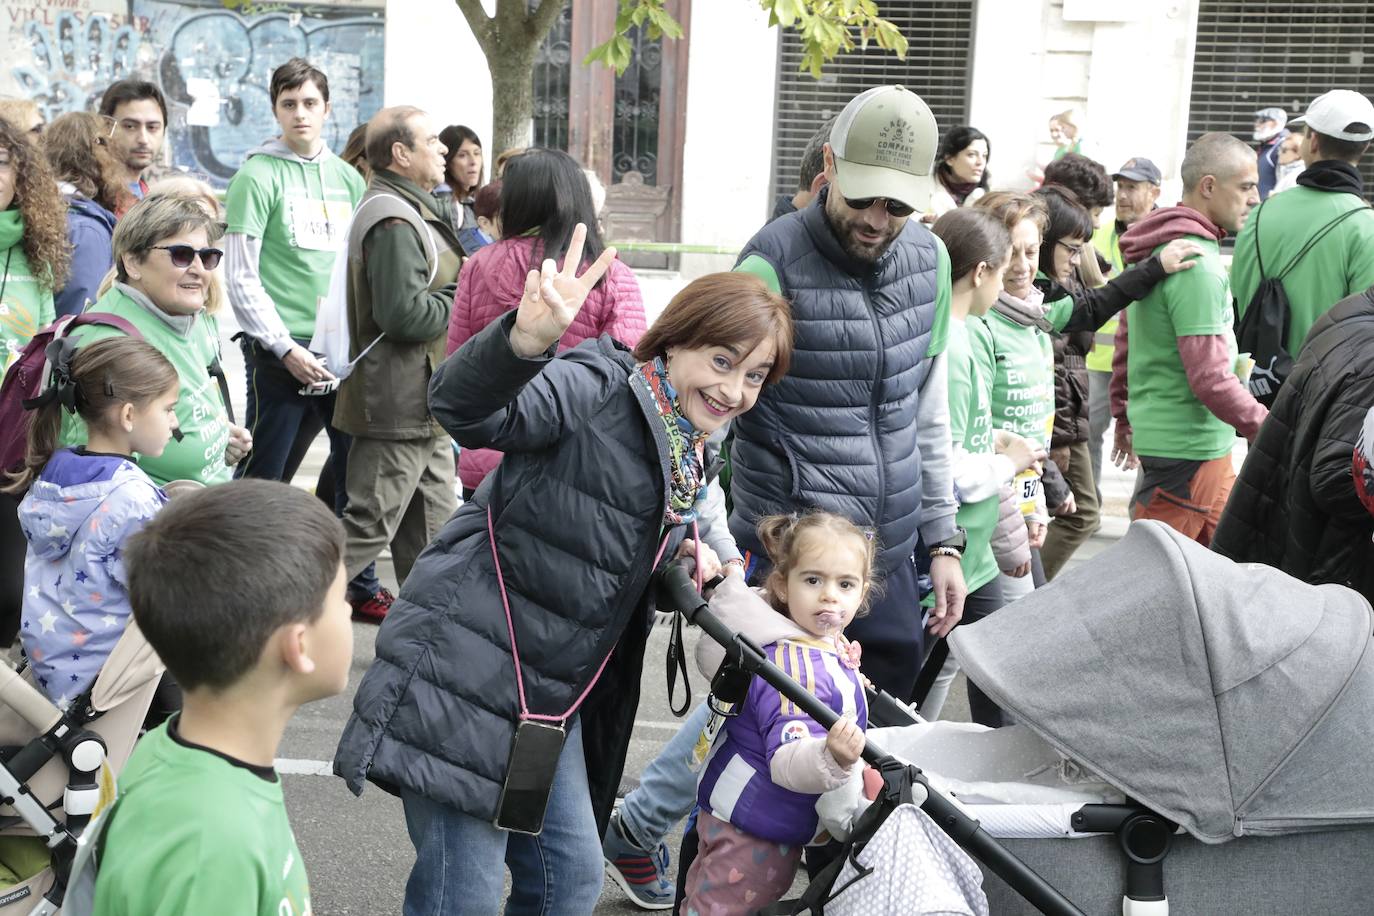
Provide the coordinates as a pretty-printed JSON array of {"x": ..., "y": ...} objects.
[
  {"x": 1254, "y": 53},
  {"x": 939, "y": 52}
]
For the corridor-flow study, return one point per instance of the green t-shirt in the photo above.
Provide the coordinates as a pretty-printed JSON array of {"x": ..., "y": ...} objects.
[
  {"x": 25, "y": 304},
  {"x": 1339, "y": 265},
  {"x": 201, "y": 414},
  {"x": 300, "y": 211},
  {"x": 970, "y": 425},
  {"x": 939, "y": 331},
  {"x": 1023, "y": 387},
  {"x": 193, "y": 832},
  {"x": 1167, "y": 419}
]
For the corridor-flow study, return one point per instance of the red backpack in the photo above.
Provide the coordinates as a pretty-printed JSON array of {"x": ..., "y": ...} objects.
[{"x": 26, "y": 378}]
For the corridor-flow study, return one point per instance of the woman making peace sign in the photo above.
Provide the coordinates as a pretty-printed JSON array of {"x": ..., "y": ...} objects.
[{"x": 532, "y": 598}]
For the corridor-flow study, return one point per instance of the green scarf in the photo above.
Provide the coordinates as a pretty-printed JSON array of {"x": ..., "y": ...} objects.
[
  {"x": 25, "y": 304},
  {"x": 11, "y": 227}
]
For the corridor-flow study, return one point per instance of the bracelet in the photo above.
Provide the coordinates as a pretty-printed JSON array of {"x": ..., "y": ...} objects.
[{"x": 946, "y": 552}]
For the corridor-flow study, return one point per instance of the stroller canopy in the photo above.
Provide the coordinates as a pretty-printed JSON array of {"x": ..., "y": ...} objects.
[{"x": 1228, "y": 697}]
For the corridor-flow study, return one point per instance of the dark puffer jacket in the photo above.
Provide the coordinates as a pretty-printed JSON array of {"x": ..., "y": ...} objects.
[
  {"x": 1293, "y": 505},
  {"x": 578, "y": 506},
  {"x": 839, "y": 432}
]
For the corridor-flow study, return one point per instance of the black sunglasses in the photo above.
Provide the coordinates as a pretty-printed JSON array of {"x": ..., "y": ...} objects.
[
  {"x": 183, "y": 255},
  {"x": 894, "y": 207}
]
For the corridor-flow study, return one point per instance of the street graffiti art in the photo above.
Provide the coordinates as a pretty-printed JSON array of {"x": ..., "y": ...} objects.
[
  {"x": 213, "y": 60},
  {"x": 63, "y": 53},
  {"x": 216, "y": 64}
]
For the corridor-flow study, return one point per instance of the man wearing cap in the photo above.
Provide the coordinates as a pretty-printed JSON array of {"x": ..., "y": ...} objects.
[
  {"x": 1137, "y": 193},
  {"x": 1337, "y": 129},
  {"x": 860, "y": 424},
  {"x": 1269, "y": 133}
]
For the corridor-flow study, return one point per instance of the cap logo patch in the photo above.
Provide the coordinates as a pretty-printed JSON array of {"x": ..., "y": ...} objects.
[
  {"x": 794, "y": 731},
  {"x": 896, "y": 144}
]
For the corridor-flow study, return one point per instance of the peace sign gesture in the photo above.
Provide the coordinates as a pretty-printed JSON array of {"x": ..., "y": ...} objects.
[{"x": 553, "y": 297}]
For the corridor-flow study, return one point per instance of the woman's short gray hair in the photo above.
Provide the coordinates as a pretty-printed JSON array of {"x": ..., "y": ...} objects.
[{"x": 157, "y": 217}]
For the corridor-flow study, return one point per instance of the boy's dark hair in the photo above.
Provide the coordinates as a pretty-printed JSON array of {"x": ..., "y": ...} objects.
[
  {"x": 218, "y": 571},
  {"x": 1086, "y": 178},
  {"x": 294, "y": 74},
  {"x": 131, "y": 91}
]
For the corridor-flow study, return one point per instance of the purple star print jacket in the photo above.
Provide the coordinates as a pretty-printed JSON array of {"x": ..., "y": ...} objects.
[{"x": 77, "y": 516}]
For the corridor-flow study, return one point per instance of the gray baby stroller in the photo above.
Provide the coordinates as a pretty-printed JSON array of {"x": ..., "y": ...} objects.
[
  {"x": 1223, "y": 708},
  {"x": 57, "y": 768},
  {"x": 1228, "y": 700}
]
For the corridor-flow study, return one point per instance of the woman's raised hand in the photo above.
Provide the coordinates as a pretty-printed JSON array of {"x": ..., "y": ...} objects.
[{"x": 553, "y": 297}]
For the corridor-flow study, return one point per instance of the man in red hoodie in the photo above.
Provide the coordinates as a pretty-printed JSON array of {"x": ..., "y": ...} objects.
[{"x": 1176, "y": 396}]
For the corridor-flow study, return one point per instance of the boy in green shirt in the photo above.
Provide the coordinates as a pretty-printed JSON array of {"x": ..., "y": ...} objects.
[
  {"x": 288, "y": 210},
  {"x": 1176, "y": 396},
  {"x": 200, "y": 825}
]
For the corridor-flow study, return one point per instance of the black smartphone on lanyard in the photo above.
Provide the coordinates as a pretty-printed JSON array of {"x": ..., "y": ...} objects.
[{"x": 533, "y": 761}]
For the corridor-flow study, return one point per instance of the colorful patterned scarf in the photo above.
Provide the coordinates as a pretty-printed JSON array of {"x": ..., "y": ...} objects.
[{"x": 686, "y": 445}]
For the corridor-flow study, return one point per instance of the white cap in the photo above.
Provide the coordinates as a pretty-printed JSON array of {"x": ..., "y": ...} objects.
[
  {"x": 1340, "y": 113},
  {"x": 884, "y": 146}
]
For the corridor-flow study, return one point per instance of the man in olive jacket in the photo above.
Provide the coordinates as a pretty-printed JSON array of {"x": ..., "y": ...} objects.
[{"x": 403, "y": 270}]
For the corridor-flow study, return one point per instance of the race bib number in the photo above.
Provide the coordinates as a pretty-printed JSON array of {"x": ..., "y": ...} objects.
[
  {"x": 1027, "y": 490},
  {"x": 318, "y": 225}
]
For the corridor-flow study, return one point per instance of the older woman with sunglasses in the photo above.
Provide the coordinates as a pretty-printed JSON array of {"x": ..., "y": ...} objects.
[{"x": 163, "y": 268}]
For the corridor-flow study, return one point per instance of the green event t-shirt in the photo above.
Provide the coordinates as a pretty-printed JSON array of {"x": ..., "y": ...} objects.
[
  {"x": 1167, "y": 419},
  {"x": 201, "y": 413},
  {"x": 300, "y": 211},
  {"x": 939, "y": 331},
  {"x": 1339, "y": 265},
  {"x": 193, "y": 832},
  {"x": 970, "y": 425},
  {"x": 1023, "y": 386},
  {"x": 25, "y": 304}
]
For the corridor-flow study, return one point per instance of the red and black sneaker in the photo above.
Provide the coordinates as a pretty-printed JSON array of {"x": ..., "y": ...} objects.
[{"x": 373, "y": 608}]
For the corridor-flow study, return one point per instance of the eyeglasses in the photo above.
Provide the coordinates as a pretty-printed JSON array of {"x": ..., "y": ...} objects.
[
  {"x": 183, "y": 255},
  {"x": 1073, "y": 250},
  {"x": 894, "y": 207}
]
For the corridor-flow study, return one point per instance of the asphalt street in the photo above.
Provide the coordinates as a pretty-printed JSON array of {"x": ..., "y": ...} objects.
[{"x": 356, "y": 849}]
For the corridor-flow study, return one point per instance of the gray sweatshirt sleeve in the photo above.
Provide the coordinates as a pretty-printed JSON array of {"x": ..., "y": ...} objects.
[
  {"x": 714, "y": 527},
  {"x": 254, "y": 309},
  {"x": 933, "y": 440}
]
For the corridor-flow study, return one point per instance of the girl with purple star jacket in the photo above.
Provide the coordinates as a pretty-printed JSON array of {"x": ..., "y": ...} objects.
[
  {"x": 83, "y": 502},
  {"x": 759, "y": 786}
]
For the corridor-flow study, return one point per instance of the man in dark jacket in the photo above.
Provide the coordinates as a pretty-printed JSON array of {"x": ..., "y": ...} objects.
[
  {"x": 1295, "y": 505},
  {"x": 860, "y": 425},
  {"x": 403, "y": 271}
]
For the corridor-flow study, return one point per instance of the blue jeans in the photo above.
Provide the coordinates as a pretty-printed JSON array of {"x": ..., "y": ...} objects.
[
  {"x": 457, "y": 857},
  {"x": 284, "y": 423},
  {"x": 668, "y": 787}
]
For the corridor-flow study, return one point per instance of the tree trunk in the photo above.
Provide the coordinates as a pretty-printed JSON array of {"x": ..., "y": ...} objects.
[{"x": 512, "y": 92}]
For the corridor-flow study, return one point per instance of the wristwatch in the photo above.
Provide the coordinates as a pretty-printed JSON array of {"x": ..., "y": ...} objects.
[{"x": 951, "y": 547}]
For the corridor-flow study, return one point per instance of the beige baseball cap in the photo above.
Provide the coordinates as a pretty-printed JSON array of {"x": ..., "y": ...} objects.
[{"x": 884, "y": 144}]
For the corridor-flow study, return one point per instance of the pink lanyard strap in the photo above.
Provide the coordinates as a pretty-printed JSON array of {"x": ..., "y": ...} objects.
[{"x": 510, "y": 628}]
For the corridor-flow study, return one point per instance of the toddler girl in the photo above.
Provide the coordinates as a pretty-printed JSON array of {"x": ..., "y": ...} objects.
[
  {"x": 759, "y": 787},
  {"x": 83, "y": 503}
]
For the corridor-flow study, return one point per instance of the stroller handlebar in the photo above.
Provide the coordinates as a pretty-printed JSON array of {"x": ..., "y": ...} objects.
[{"x": 680, "y": 594}]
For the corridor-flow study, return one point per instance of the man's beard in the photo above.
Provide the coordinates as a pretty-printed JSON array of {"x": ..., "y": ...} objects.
[{"x": 844, "y": 232}]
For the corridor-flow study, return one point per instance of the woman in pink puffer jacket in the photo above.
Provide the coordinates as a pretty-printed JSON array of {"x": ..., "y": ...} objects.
[{"x": 544, "y": 194}]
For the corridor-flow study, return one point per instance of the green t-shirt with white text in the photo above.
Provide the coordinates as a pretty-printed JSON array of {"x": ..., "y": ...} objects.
[
  {"x": 970, "y": 425},
  {"x": 1167, "y": 419},
  {"x": 301, "y": 212},
  {"x": 193, "y": 832}
]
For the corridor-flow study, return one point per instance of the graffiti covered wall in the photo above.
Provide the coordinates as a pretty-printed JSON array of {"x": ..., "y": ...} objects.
[{"x": 212, "y": 61}]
